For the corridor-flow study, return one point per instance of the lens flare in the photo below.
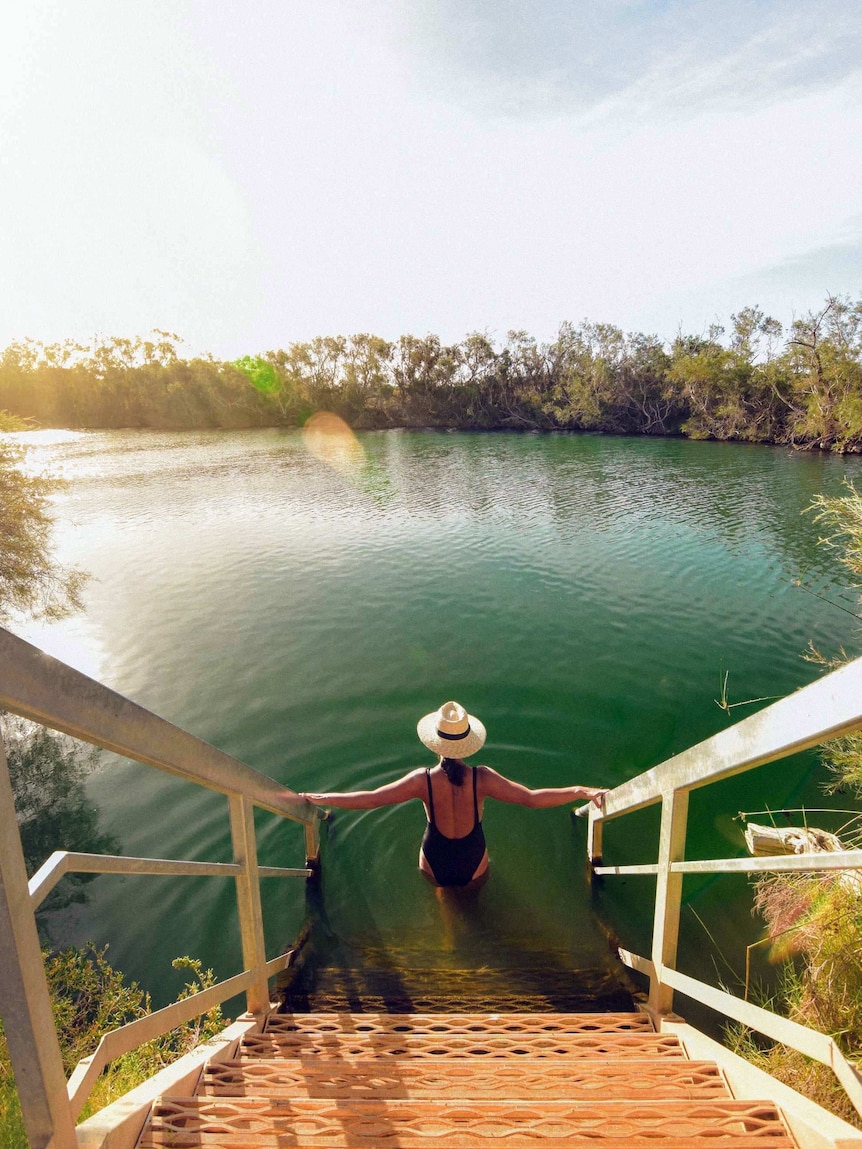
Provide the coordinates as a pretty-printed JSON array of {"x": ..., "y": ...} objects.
[
  {"x": 260, "y": 373},
  {"x": 330, "y": 439}
]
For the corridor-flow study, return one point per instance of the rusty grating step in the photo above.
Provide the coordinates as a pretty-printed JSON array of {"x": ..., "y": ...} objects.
[
  {"x": 485, "y": 1046},
  {"x": 463, "y": 1081},
  {"x": 321, "y": 1024},
  {"x": 576, "y": 1079},
  {"x": 274, "y": 1122}
]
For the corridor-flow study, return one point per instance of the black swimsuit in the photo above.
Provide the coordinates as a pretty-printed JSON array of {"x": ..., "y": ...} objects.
[{"x": 453, "y": 861}]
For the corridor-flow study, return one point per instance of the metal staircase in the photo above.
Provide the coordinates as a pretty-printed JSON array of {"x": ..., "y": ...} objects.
[
  {"x": 469, "y": 1067},
  {"x": 463, "y": 1080}
]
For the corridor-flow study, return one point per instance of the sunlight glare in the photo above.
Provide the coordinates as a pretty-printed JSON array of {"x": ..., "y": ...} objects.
[
  {"x": 71, "y": 641},
  {"x": 331, "y": 440}
]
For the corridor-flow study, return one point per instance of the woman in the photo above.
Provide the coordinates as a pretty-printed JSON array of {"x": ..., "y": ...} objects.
[{"x": 453, "y": 849}]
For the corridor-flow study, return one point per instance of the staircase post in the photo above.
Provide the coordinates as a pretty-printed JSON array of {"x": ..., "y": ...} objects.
[
  {"x": 668, "y": 896},
  {"x": 25, "y": 1003},
  {"x": 312, "y": 844},
  {"x": 595, "y": 826},
  {"x": 248, "y": 901}
]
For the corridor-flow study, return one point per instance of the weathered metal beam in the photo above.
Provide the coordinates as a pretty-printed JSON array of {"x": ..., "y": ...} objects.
[
  {"x": 312, "y": 843},
  {"x": 636, "y": 962},
  {"x": 810, "y": 1042},
  {"x": 284, "y": 872},
  {"x": 63, "y": 862},
  {"x": 120, "y": 1123},
  {"x": 777, "y": 863},
  {"x": 25, "y": 1004},
  {"x": 668, "y": 896},
  {"x": 595, "y": 828},
  {"x": 47, "y": 691},
  {"x": 648, "y": 869},
  {"x": 248, "y": 901},
  {"x": 811, "y": 1126}
]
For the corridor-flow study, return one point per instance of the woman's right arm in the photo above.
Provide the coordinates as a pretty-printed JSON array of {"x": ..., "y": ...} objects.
[
  {"x": 504, "y": 790},
  {"x": 410, "y": 786}
]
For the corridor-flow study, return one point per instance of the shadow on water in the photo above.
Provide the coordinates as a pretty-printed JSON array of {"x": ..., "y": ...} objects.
[{"x": 487, "y": 959}]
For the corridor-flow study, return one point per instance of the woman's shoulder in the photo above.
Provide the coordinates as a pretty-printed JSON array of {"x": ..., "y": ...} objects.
[{"x": 484, "y": 774}]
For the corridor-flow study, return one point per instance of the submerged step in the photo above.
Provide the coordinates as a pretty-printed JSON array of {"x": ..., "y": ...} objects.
[
  {"x": 418, "y": 990},
  {"x": 251, "y": 1122},
  {"x": 574, "y": 1079}
]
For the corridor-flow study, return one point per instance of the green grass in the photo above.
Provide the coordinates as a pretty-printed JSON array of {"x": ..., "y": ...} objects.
[{"x": 89, "y": 998}]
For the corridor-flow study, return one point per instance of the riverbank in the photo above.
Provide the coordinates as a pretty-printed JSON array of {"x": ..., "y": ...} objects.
[{"x": 750, "y": 383}]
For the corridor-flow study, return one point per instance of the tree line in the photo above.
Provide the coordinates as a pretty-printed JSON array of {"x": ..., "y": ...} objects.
[{"x": 752, "y": 381}]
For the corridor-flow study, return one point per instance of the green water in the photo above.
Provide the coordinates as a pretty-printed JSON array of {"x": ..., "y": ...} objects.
[{"x": 582, "y": 594}]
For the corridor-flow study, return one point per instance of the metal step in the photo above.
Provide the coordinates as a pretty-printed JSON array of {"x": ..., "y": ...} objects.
[
  {"x": 438, "y": 1023},
  {"x": 462, "y": 1081},
  {"x": 572, "y": 1079},
  {"x": 254, "y": 1123},
  {"x": 462, "y": 1045}
]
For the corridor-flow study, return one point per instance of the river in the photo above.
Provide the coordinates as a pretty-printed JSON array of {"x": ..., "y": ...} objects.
[{"x": 301, "y": 607}]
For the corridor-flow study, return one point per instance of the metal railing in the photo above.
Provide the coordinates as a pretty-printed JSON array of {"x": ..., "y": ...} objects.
[
  {"x": 826, "y": 709},
  {"x": 47, "y": 691}
]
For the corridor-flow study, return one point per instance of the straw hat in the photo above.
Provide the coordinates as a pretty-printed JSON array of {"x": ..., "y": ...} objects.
[{"x": 451, "y": 731}]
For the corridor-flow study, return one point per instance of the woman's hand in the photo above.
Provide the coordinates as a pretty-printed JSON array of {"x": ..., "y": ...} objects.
[{"x": 596, "y": 795}]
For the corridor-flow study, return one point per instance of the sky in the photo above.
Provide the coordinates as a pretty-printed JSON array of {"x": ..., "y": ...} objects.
[{"x": 250, "y": 175}]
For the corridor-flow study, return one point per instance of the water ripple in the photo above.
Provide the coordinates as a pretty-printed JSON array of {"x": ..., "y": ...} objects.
[{"x": 582, "y": 594}]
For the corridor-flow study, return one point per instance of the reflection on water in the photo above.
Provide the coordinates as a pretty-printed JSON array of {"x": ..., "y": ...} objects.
[
  {"x": 582, "y": 594},
  {"x": 47, "y": 773}
]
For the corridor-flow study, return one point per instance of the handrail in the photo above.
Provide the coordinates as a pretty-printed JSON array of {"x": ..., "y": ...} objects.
[
  {"x": 63, "y": 862},
  {"x": 825, "y": 709},
  {"x": 36, "y": 686},
  {"x": 780, "y": 863},
  {"x": 46, "y": 690},
  {"x": 810, "y": 1042}
]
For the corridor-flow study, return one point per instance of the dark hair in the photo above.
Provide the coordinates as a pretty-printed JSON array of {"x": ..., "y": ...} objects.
[{"x": 454, "y": 769}]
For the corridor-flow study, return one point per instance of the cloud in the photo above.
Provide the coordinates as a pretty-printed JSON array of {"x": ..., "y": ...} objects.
[
  {"x": 785, "y": 288},
  {"x": 514, "y": 57},
  {"x": 833, "y": 269}
]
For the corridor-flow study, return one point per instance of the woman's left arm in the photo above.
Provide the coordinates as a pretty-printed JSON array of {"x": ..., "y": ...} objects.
[
  {"x": 495, "y": 785},
  {"x": 410, "y": 786}
]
